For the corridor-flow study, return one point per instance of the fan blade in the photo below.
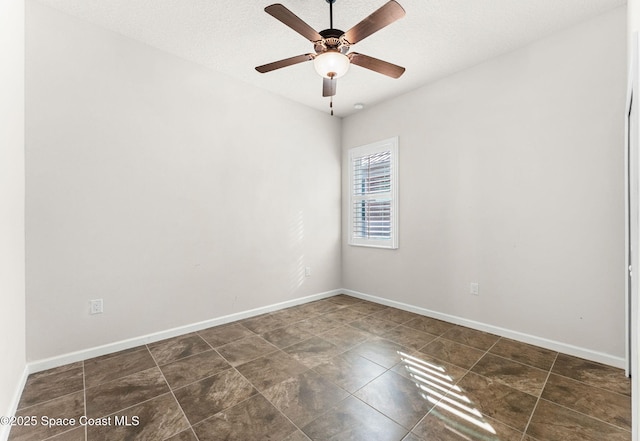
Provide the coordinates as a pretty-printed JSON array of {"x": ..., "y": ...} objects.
[
  {"x": 387, "y": 14},
  {"x": 376, "y": 65},
  {"x": 284, "y": 63},
  {"x": 329, "y": 86},
  {"x": 287, "y": 17}
]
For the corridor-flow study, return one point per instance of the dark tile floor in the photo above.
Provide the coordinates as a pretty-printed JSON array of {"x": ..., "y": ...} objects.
[{"x": 335, "y": 369}]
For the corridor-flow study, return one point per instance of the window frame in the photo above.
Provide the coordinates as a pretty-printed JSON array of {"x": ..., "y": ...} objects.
[{"x": 386, "y": 145}]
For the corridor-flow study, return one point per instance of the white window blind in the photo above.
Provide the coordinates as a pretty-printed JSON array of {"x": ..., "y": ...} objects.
[{"x": 373, "y": 198}]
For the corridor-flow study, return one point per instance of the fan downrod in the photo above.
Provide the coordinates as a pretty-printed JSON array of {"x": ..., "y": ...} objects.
[{"x": 331, "y": 2}]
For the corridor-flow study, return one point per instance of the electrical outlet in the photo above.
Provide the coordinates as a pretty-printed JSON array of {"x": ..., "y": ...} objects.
[
  {"x": 95, "y": 306},
  {"x": 307, "y": 271},
  {"x": 474, "y": 289}
]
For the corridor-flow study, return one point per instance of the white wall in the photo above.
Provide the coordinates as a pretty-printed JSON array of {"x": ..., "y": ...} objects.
[
  {"x": 12, "y": 265},
  {"x": 633, "y": 16},
  {"x": 174, "y": 193},
  {"x": 511, "y": 175}
]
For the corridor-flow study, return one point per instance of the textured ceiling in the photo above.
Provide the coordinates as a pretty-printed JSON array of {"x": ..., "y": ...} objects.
[{"x": 434, "y": 39}]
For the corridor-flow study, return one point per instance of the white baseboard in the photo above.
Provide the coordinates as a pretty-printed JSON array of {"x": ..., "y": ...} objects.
[
  {"x": 61, "y": 360},
  {"x": 73, "y": 357},
  {"x": 85, "y": 354},
  {"x": 565, "y": 348},
  {"x": 15, "y": 399}
]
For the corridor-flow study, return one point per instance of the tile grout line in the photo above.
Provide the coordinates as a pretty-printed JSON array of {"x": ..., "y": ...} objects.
[
  {"x": 235, "y": 368},
  {"x": 439, "y": 400},
  {"x": 483, "y": 355},
  {"x": 570, "y": 408},
  {"x": 171, "y": 391},
  {"x": 361, "y": 387},
  {"x": 258, "y": 392},
  {"x": 84, "y": 405},
  {"x": 485, "y": 352},
  {"x": 469, "y": 370},
  {"x": 255, "y": 334},
  {"x": 533, "y": 411},
  {"x": 200, "y": 379},
  {"x": 585, "y": 415},
  {"x": 274, "y": 406},
  {"x": 592, "y": 385},
  {"x": 371, "y": 336},
  {"x": 48, "y": 401},
  {"x": 280, "y": 350},
  {"x": 524, "y": 364},
  {"x": 84, "y": 392},
  {"x": 132, "y": 406},
  {"x": 518, "y": 362},
  {"x": 390, "y": 418},
  {"x": 437, "y": 337},
  {"x": 313, "y": 370},
  {"x": 141, "y": 402},
  {"x": 391, "y": 370}
]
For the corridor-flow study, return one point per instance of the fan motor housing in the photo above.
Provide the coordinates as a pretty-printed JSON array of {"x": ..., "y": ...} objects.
[{"x": 331, "y": 40}]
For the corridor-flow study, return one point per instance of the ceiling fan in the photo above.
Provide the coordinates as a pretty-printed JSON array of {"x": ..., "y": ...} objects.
[{"x": 332, "y": 57}]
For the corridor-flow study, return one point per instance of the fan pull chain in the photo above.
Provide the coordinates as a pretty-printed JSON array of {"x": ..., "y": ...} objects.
[{"x": 331, "y": 105}]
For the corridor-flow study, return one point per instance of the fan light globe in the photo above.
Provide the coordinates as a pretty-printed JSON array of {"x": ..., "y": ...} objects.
[{"x": 331, "y": 64}]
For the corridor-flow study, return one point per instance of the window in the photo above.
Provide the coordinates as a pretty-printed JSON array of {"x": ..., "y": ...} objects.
[{"x": 373, "y": 194}]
